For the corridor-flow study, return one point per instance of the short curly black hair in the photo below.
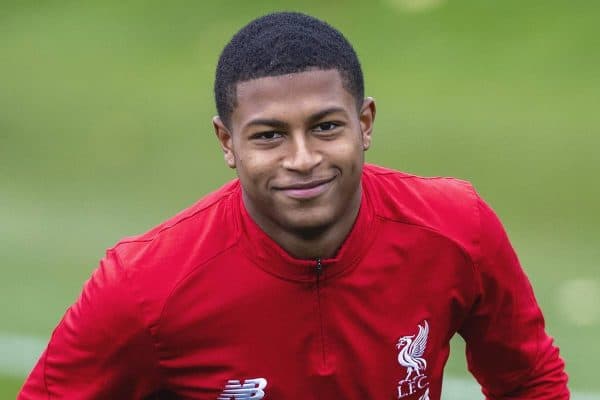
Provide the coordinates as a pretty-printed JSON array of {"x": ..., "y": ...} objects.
[{"x": 284, "y": 43}]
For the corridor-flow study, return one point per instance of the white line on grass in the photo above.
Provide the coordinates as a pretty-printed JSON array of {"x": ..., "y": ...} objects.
[
  {"x": 469, "y": 389},
  {"x": 18, "y": 355}
]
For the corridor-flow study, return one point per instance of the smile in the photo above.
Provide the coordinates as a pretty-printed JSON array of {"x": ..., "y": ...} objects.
[{"x": 306, "y": 190}]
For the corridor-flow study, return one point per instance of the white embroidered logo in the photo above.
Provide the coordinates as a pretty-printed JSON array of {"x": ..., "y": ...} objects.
[
  {"x": 410, "y": 357},
  {"x": 250, "y": 389}
]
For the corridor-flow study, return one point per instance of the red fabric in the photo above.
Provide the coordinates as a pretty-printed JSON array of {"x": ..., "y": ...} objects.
[{"x": 207, "y": 297}]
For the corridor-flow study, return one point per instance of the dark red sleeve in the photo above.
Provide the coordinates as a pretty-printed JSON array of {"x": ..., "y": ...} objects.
[
  {"x": 101, "y": 348},
  {"x": 508, "y": 350}
]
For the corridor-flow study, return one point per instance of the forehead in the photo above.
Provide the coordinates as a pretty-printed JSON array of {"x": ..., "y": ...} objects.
[{"x": 291, "y": 95}]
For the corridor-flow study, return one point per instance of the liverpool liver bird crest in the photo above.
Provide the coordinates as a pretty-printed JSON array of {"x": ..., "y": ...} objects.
[{"x": 411, "y": 352}]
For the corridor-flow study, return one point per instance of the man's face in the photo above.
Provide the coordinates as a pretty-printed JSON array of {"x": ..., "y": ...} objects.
[{"x": 297, "y": 143}]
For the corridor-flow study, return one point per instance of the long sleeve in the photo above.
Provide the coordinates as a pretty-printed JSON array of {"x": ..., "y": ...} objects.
[
  {"x": 508, "y": 350},
  {"x": 101, "y": 348}
]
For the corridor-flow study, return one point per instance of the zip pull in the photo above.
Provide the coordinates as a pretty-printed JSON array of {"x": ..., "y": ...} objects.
[{"x": 318, "y": 267}]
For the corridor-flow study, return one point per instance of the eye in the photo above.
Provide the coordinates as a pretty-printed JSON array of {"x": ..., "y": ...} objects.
[
  {"x": 266, "y": 136},
  {"x": 325, "y": 126}
]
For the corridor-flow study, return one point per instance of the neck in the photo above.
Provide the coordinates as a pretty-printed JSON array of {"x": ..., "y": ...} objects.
[{"x": 321, "y": 242}]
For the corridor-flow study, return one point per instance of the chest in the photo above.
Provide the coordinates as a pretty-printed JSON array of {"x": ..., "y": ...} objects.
[{"x": 379, "y": 330}]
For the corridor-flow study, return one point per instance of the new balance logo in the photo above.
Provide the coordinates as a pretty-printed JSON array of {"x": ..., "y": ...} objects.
[{"x": 250, "y": 389}]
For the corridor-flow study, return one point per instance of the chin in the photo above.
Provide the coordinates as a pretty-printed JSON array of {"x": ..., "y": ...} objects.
[{"x": 309, "y": 225}]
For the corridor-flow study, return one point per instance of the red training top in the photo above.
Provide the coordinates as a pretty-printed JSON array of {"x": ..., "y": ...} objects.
[{"x": 207, "y": 306}]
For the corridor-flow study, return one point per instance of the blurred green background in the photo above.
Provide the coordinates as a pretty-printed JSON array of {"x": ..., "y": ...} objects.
[{"x": 105, "y": 131}]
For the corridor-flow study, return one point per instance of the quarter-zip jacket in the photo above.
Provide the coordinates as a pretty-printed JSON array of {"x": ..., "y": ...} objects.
[{"x": 207, "y": 306}]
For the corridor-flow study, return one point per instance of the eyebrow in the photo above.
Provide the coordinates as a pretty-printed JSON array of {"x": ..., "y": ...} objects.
[{"x": 275, "y": 123}]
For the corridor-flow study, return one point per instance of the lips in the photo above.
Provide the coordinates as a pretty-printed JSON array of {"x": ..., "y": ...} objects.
[{"x": 306, "y": 190}]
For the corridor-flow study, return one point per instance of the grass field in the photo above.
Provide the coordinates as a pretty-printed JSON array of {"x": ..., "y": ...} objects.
[{"x": 105, "y": 131}]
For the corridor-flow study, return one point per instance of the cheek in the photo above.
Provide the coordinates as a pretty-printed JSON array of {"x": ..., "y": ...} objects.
[
  {"x": 348, "y": 153},
  {"x": 254, "y": 167}
]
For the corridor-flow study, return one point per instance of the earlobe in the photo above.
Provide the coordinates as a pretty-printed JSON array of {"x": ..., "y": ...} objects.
[
  {"x": 225, "y": 140},
  {"x": 367, "y": 119}
]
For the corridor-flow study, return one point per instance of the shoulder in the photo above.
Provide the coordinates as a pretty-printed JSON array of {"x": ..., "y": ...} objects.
[
  {"x": 447, "y": 206},
  {"x": 155, "y": 261},
  {"x": 195, "y": 224}
]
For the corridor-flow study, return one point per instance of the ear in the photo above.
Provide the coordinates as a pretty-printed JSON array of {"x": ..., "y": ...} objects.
[
  {"x": 226, "y": 141},
  {"x": 367, "y": 119}
]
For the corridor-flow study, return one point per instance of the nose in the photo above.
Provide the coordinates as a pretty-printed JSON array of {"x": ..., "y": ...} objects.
[{"x": 302, "y": 155}]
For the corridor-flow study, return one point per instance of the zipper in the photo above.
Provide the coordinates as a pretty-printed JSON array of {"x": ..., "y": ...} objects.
[
  {"x": 319, "y": 272},
  {"x": 318, "y": 268}
]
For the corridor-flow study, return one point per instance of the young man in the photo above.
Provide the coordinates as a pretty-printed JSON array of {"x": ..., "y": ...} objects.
[{"x": 312, "y": 276}]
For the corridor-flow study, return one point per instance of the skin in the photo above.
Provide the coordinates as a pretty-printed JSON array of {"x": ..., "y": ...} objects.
[{"x": 297, "y": 142}]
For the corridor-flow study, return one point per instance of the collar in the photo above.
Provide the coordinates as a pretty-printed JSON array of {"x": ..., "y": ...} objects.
[{"x": 272, "y": 258}]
